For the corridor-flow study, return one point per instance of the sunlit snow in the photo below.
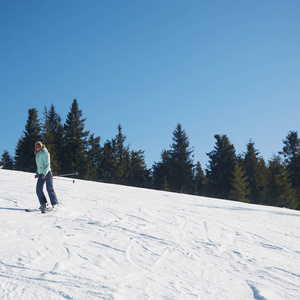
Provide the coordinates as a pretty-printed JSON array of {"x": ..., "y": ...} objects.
[{"x": 115, "y": 242}]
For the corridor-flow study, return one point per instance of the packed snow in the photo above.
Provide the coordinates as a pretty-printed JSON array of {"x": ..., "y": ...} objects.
[{"x": 115, "y": 242}]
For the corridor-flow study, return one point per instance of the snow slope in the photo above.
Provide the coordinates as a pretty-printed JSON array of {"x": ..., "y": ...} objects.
[{"x": 116, "y": 242}]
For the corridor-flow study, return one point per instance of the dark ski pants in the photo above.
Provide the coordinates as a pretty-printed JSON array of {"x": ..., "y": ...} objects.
[{"x": 50, "y": 189}]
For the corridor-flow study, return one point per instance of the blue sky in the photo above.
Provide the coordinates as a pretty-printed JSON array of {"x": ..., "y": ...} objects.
[{"x": 216, "y": 67}]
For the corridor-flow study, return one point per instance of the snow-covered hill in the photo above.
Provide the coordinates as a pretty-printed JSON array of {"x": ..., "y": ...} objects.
[{"x": 115, "y": 242}]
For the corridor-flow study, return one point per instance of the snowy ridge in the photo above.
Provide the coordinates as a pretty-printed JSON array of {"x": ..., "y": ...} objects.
[{"x": 115, "y": 242}]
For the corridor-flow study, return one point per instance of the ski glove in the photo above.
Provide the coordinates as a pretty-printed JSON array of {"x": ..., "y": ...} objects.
[{"x": 36, "y": 175}]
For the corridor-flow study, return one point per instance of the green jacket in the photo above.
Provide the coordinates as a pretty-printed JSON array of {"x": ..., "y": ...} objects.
[{"x": 43, "y": 162}]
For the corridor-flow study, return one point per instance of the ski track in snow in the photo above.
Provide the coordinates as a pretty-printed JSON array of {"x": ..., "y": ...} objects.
[{"x": 117, "y": 242}]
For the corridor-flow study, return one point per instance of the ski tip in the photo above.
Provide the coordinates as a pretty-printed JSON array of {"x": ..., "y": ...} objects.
[{"x": 49, "y": 210}]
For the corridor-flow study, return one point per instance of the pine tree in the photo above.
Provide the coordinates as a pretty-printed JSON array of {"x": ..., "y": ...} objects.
[
  {"x": 7, "y": 161},
  {"x": 162, "y": 171},
  {"x": 256, "y": 174},
  {"x": 94, "y": 155},
  {"x": 280, "y": 190},
  {"x": 24, "y": 157},
  {"x": 240, "y": 188},
  {"x": 221, "y": 167},
  {"x": 291, "y": 153},
  {"x": 53, "y": 137},
  {"x": 75, "y": 157},
  {"x": 200, "y": 180},
  {"x": 181, "y": 162},
  {"x": 108, "y": 162},
  {"x": 115, "y": 162},
  {"x": 175, "y": 171},
  {"x": 123, "y": 158},
  {"x": 139, "y": 175}
]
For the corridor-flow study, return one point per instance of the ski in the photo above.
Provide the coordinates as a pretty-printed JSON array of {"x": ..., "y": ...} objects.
[
  {"x": 32, "y": 209},
  {"x": 41, "y": 210},
  {"x": 45, "y": 211}
]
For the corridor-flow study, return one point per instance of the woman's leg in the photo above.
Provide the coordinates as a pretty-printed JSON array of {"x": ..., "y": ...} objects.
[
  {"x": 39, "y": 190},
  {"x": 50, "y": 189}
]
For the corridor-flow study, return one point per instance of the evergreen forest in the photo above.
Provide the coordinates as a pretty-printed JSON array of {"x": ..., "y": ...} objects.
[{"x": 243, "y": 177}]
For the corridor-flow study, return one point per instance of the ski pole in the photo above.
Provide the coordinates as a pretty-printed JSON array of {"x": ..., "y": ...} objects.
[{"x": 63, "y": 175}]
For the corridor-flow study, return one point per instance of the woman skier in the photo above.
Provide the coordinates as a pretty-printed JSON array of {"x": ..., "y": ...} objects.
[{"x": 44, "y": 174}]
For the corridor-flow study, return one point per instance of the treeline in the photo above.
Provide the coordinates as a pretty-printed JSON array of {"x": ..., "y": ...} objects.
[{"x": 243, "y": 177}]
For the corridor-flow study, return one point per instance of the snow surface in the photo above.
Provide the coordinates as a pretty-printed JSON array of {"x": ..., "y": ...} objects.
[{"x": 116, "y": 242}]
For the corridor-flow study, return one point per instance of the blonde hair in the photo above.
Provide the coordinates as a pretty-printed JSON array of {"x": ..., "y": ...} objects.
[{"x": 38, "y": 143}]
